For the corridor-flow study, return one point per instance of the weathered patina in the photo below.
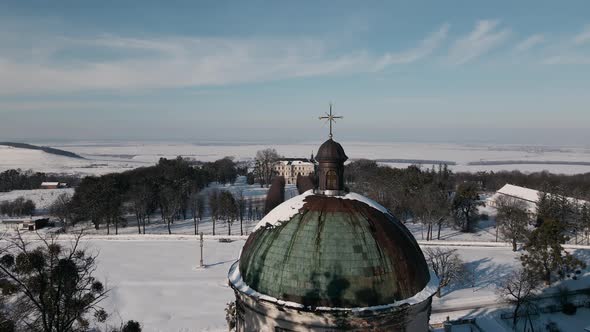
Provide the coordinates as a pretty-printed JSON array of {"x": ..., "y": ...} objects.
[{"x": 335, "y": 252}]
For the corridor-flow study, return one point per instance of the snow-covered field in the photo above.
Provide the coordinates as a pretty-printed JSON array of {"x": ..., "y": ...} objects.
[
  {"x": 118, "y": 156},
  {"x": 157, "y": 281},
  {"x": 42, "y": 198}
]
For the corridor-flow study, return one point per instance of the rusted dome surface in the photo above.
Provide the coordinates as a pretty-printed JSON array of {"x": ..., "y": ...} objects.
[
  {"x": 335, "y": 252},
  {"x": 331, "y": 151}
]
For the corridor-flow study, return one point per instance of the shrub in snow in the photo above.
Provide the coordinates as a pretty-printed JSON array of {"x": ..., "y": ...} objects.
[
  {"x": 131, "y": 326},
  {"x": 230, "y": 315}
]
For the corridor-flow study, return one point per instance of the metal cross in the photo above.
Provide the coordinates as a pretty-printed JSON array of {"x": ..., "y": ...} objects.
[{"x": 331, "y": 118}]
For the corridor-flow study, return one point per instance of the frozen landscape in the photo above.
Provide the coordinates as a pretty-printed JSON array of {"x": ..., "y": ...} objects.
[
  {"x": 157, "y": 281},
  {"x": 403, "y": 166},
  {"x": 109, "y": 157},
  {"x": 155, "y": 278}
]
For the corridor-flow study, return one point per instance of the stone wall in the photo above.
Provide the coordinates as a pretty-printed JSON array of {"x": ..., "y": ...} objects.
[{"x": 258, "y": 315}]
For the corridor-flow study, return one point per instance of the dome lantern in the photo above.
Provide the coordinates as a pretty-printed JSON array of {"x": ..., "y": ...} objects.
[{"x": 331, "y": 158}]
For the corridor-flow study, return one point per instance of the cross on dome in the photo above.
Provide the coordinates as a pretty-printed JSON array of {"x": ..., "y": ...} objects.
[{"x": 329, "y": 117}]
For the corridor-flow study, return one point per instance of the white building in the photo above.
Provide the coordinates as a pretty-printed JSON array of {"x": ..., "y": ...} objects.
[
  {"x": 291, "y": 168},
  {"x": 527, "y": 195}
]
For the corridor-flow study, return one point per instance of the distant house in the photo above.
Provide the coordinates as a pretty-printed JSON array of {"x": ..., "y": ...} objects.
[
  {"x": 28, "y": 224},
  {"x": 291, "y": 168},
  {"x": 10, "y": 224},
  {"x": 35, "y": 224},
  {"x": 529, "y": 196},
  {"x": 53, "y": 185}
]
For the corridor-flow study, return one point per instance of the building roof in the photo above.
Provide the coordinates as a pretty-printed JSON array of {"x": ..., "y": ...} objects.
[
  {"x": 296, "y": 162},
  {"x": 49, "y": 183},
  {"x": 527, "y": 194},
  {"x": 333, "y": 251}
]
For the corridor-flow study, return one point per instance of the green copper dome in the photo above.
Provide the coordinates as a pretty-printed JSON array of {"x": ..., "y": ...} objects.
[{"x": 343, "y": 252}]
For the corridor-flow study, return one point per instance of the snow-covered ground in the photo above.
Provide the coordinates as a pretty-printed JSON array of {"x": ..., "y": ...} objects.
[
  {"x": 157, "y": 281},
  {"x": 104, "y": 157},
  {"x": 42, "y": 198}
]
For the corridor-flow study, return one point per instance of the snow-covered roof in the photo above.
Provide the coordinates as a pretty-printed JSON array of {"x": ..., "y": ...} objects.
[
  {"x": 299, "y": 162},
  {"x": 49, "y": 183},
  {"x": 527, "y": 194},
  {"x": 235, "y": 279},
  {"x": 296, "y": 162}
]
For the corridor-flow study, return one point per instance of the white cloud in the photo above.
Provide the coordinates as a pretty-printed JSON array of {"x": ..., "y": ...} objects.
[
  {"x": 64, "y": 64},
  {"x": 567, "y": 59},
  {"x": 529, "y": 43},
  {"x": 583, "y": 37},
  {"x": 426, "y": 47},
  {"x": 570, "y": 51},
  {"x": 113, "y": 62},
  {"x": 478, "y": 42},
  {"x": 168, "y": 62}
]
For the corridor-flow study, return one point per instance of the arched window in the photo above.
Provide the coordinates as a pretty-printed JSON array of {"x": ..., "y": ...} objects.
[{"x": 331, "y": 180}]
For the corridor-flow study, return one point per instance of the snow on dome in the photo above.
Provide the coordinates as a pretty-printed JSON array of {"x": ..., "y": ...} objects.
[
  {"x": 284, "y": 211},
  {"x": 291, "y": 207},
  {"x": 368, "y": 201}
]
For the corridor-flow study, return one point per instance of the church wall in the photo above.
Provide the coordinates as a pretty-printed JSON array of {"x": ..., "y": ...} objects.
[{"x": 256, "y": 315}]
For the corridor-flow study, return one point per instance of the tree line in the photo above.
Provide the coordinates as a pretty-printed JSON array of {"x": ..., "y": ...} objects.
[
  {"x": 16, "y": 179},
  {"x": 432, "y": 196},
  {"x": 577, "y": 185},
  {"x": 172, "y": 188},
  {"x": 17, "y": 208}
]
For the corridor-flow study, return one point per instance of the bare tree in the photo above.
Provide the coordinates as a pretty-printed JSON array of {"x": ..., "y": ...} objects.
[
  {"x": 264, "y": 165},
  {"x": 141, "y": 197},
  {"x": 228, "y": 209},
  {"x": 214, "y": 206},
  {"x": 585, "y": 221},
  {"x": 53, "y": 285},
  {"x": 61, "y": 209},
  {"x": 171, "y": 204},
  {"x": 432, "y": 208},
  {"x": 197, "y": 206},
  {"x": 241, "y": 206},
  {"x": 519, "y": 288},
  {"x": 446, "y": 264}
]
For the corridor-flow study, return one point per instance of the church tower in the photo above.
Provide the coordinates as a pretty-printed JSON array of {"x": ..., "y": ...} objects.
[{"x": 328, "y": 260}]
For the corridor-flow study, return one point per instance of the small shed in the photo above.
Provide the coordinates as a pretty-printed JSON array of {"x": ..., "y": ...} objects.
[
  {"x": 10, "y": 224},
  {"x": 49, "y": 185},
  {"x": 53, "y": 185},
  {"x": 35, "y": 224}
]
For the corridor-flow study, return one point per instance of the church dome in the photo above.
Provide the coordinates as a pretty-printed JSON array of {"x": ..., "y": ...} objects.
[
  {"x": 333, "y": 251},
  {"x": 331, "y": 151}
]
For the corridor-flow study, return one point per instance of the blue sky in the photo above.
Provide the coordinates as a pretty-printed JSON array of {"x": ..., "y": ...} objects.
[{"x": 501, "y": 71}]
